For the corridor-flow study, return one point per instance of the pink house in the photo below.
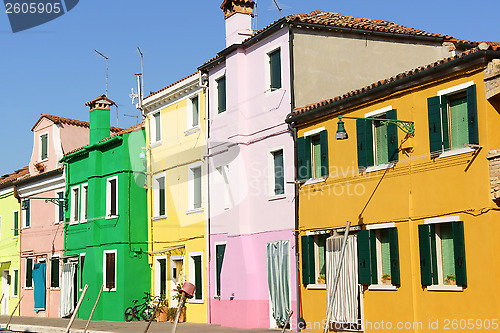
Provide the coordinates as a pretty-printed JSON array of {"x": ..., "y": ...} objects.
[{"x": 42, "y": 220}]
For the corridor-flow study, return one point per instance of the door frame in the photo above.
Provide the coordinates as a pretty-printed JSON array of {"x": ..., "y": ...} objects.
[{"x": 5, "y": 291}]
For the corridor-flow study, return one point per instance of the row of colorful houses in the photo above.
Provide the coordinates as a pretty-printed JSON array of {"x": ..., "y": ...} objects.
[{"x": 244, "y": 174}]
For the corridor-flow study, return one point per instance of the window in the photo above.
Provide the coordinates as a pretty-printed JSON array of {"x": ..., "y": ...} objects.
[
  {"x": 442, "y": 254},
  {"x": 452, "y": 118},
  {"x": 275, "y": 69},
  {"x": 112, "y": 197},
  {"x": 54, "y": 272},
  {"x": 109, "y": 270},
  {"x": 195, "y": 187},
  {"x": 60, "y": 207},
  {"x": 155, "y": 126},
  {"x": 223, "y": 172},
  {"x": 27, "y": 213},
  {"x": 44, "y": 146},
  {"x": 193, "y": 112},
  {"x": 377, "y": 143},
  {"x": 162, "y": 263},
  {"x": 220, "y": 249},
  {"x": 314, "y": 258},
  {"x": 196, "y": 274},
  {"x": 15, "y": 284},
  {"x": 378, "y": 256},
  {"x": 29, "y": 273},
  {"x": 82, "y": 262},
  {"x": 15, "y": 227},
  {"x": 85, "y": 200},
  {"x": 312, "y": 154},
  {"x": 160, "y": 198},
  {"x": 221, "y": 94},
  {"x": 75, "y": 204},
  {"x": 277, "y": 173}
]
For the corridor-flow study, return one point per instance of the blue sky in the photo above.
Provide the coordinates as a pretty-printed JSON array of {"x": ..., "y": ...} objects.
[{"x": 53, "y": 68}]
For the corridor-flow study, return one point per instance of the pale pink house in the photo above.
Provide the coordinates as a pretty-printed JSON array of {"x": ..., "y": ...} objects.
[{"x": 42, "y": 221}]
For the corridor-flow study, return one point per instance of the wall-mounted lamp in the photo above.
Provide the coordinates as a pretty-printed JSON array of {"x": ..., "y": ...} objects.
[{"x": 406, "y": 126}]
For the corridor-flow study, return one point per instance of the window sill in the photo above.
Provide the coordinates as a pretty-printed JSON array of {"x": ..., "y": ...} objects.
[
  {"x": 316, "y": 286},
  {"x": 194, "y": 211},
  {"x": 85, "y": 221},
  {"x": 161, "y": 217},
  {"x": 272, "y": 91},
  {"x": 73, "y": 222},
  {"x": 444, "y": 287},
  {"x": 28, "y": 288},
  {"x": 457, "y": 151},
  {"x": 108, "y": 290},
  {"x": 382, "y": 287},
  {"x": 380, "y": 167},
  {"x": 276, "y": 197},
  {"x": 56, "y": 289},
  {"x": 217, "y": 297},
  {"x": 196, "y": 301},
  {"x": 15, "y": 237},
  {"x": 155, "y": 144},
  {"x": 315, "y": 180},
  {"x": 192, "y": 130},
  {"x": 110, "y": 217}
]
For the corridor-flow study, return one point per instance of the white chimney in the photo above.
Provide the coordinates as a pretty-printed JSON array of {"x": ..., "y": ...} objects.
[{"x": 238, "y": 15}]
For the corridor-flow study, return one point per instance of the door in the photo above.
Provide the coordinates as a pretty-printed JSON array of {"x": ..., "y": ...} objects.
[
  {"x": 161, "y": 276},
  {"x": 176, "y": 275},
  {"x": 67, "y": 295},
  {"x": 39, "y": 285},
  {"x": 5, "y": 291},
  {"x": 278, "y": 277}
]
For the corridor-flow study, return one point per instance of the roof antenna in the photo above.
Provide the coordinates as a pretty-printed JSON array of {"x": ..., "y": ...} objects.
[
  {"x": 255, "y": 17},
  {"x": 140, "y": 87},
  {"x": 102, "y": 55},
  {"x": 277, "y": 7}
]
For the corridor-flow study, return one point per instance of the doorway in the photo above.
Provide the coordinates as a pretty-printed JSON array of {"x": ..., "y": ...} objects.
[
  {"x": 5, "y": 291},
  {"x": 278, "y": 277},
  {"x": 176, "y": 274}
]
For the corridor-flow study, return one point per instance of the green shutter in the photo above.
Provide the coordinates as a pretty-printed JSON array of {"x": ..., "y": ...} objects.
[
  {"x": 29, "y": 273},
  {"x": 364, "y": 262},
  {"x": 364, "y": 135},
  {"x": 195, "y": 112},
  {"x": 54, "y": 273},
  {"x": 16, "y": 224},
  {"x": 432, "y": 233},
  {"x": 444, "y": 123},
  {"x": 472, "y": 115},
  {"x": 323, "y": 139},
  {"x": 219, "y": 253},
  {"x": 16, "y": 282},
  {"x": 308, "y": 266},
  {"x": 392, "y": 137},
  {"x": 425, "y": 255},
  {"x": 459, "y": 249},
  {"x": 44, "y": 146},
  {"x": 221, "y": 94},
  {"x": 197, "y": 277},
  {"x": 373, "y": 257},
  {"x": 275, "y": 67},
  {"x": 394, "y": 250},
  {"x": 304, "y": 170},
  {"x": 28, "y": 221},
  {"x": 434, "y": 118}
]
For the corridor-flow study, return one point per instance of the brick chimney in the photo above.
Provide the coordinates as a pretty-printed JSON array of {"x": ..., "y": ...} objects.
[
  {"x": 238, "y": 15},
  {"x": 99, "y": 118}
]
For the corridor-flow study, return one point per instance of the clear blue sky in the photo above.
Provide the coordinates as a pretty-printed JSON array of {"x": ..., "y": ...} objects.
[{"x": 53, "y": 68}]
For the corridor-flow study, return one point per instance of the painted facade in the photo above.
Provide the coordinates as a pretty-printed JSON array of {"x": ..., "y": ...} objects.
[
  {"x": 41, "y": 228},
  {"x": 423, "y": 208},
  {"x": 9, "y": 242},
  {"x": 177, "y": 204},
  {"x": 105, "y": 224}
]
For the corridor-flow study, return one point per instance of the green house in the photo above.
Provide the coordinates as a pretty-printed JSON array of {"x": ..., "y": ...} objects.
[{"x": 106, "y": 220}]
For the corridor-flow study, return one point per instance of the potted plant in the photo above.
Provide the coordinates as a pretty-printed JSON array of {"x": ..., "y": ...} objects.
[
  {"x": 171, "y": 312},
  {"x": 386, "y": 279},
  {"x": 177, "y": 296},
  {"x": 322, "y": 279},
  {"x": 450, "y": 279},
  {"x": 161, "y": 310}
]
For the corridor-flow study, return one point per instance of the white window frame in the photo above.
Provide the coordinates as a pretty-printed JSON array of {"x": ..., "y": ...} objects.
[
  {"x": 152, "y": 129},
  {"x": 223, "y": 173},
  {"x": 84, "y": 202},
  {"x": 12, "y": 284},
  {"x": 18, "y": 223},
  {"x": 108, "y": 197},
  {"x": 375, "y": 114},
  {"x": 189, "y": 126},
  {"x": 157, "y": 285},
  {"x": 73, "y": 206},
  {"x": 271, "y": 174},
  {"x": 156, "y": 196},
  {"x": 377, "y": 227},
  {"x": 191, "y": 189},
  {"x": 40, "y": 159},
  {"x": 215, "y": 266},
  {"x": 57, "y": 209},
  {"x": 267, "y": 66},
  {"x": 104, "y": 270},
  {"x": 313, "y": 180},
  {"x": 192, "y": 276},
  {"x": 59, "y": 272},
  {"x": 26, "y": 270},
  {"x": 171, "y": 271},
  {"x": 80, "y": 275}
]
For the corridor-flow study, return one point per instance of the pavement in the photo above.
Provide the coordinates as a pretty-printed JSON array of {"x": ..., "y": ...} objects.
[{"x": 58, "y": 325}]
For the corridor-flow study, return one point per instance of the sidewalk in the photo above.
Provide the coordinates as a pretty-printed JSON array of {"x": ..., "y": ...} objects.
[{"x": 58, "y": 325}]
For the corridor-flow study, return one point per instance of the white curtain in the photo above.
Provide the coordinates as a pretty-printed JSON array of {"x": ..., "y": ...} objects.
[
  {"x": 278, "y": 277},
  {"x": 66, "y": 304},
  {"x": 345, "y": 307}
]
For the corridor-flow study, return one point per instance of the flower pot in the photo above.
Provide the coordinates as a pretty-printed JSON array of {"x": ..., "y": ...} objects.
[
  {"x": 386, "y": 281},
  {"x": 161, "y": 315},
  {"x": 450, "y": 282}
]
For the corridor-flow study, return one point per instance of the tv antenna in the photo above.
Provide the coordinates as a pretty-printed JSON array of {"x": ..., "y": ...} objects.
[
  {"x": 277, "y": 7},
  {"x": 140, "y": 87},
  {"x": 107, "y": 66},
  {"x": 129, "y": 115}
]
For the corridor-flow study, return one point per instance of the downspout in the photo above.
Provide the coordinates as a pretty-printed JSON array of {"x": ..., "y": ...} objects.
[
  {"x": 207, "y": 214},
  {"x": 66, "y": 170}
]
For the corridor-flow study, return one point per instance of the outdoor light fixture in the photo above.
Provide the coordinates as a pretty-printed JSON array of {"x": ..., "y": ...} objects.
[
  {"x": 24, "y": 205},
  {"x": 406, "y": 126}
]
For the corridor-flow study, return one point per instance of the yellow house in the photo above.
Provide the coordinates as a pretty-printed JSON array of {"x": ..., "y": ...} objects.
[
  {"x": 176, "y": 136},
  {"x": 419, "y": 182}
]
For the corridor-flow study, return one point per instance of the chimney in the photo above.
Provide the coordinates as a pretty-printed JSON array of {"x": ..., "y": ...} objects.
[
  {"x": 238, "y": 15},
  {"x": 99, "y": 118}
]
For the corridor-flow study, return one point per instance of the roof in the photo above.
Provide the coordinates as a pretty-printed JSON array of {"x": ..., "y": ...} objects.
[
  {"x": 171, "y": 85},
  {"x": 60, "y": 120},
  {"x": 242, "y": 1},
  {"x": 102, "y": 97},
  {"x": 5, "y": 179},
  {"x": 352, "y": 23},
  {"x": 379, "y": 84}
]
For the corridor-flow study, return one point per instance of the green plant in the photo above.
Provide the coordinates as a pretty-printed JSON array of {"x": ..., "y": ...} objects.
[
  {"x": 322, "y": 278},
  {"x": 386, "y": 277},
  {"x": 450, "y": 277},
  {"x": 171, "y": 312}
]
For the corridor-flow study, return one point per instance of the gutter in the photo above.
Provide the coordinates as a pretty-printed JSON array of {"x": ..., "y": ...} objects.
[
  {"x": 424, "y": 76},
  {"x": 33, "y": 179},
  {"x": 86, "y": 149}
]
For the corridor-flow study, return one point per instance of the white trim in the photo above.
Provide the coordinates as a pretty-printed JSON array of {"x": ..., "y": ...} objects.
[
  {"x": 317, "y": 232},
  {"x": 316, "y": 286},
  {"x": 157, "y": 275},
  {"x": 51, "y": 184},
  {"x": 454, "y": 89},
  {"x": 378, "y": 112},
  {"x": 444, "y": 287},
  {"x": 382, "y": 287},
  {"x": 156, "y": 196},
  {"x": 104, "y": 271},
  {"x": 108, "y": 197},
  {"x": 456, "y": 151},
  {"x": 84, "y": 202},
  {"x": 311, "y": 181},
  {"x": 152, "y": 129},
  {"x": 380, "y": 225},
  {"x": 191, "y": 188},
  {"x": 59, "y": 270},
  {"x": 178, "y": 278},
  {"x": 314, "y": 131},
  {"x": 215, "y": 265},
  {"x": 25, "y": 271},
  {"x": 72, "y": 219},
  {"x": 443, "y": 219},
  {"x": 271, "y": 175},
  {"x": 195, "y": 211},
  {"x": 56, "y": 138},
  {"x": 193, "y": 277},
  {"x": 12, "y": 284},
  {"x": 189, "y": 113},
  {"x": 380, "y": 167}
]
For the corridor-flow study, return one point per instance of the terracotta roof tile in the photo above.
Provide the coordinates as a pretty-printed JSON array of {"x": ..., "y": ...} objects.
[
  {"x": 171, "y": 85},
  {"x": 482, "y": 46},
  {"x": 5, "y": 179},
  {"x": 61, "y": 120},
  {"x": 242, "y": 1}
]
